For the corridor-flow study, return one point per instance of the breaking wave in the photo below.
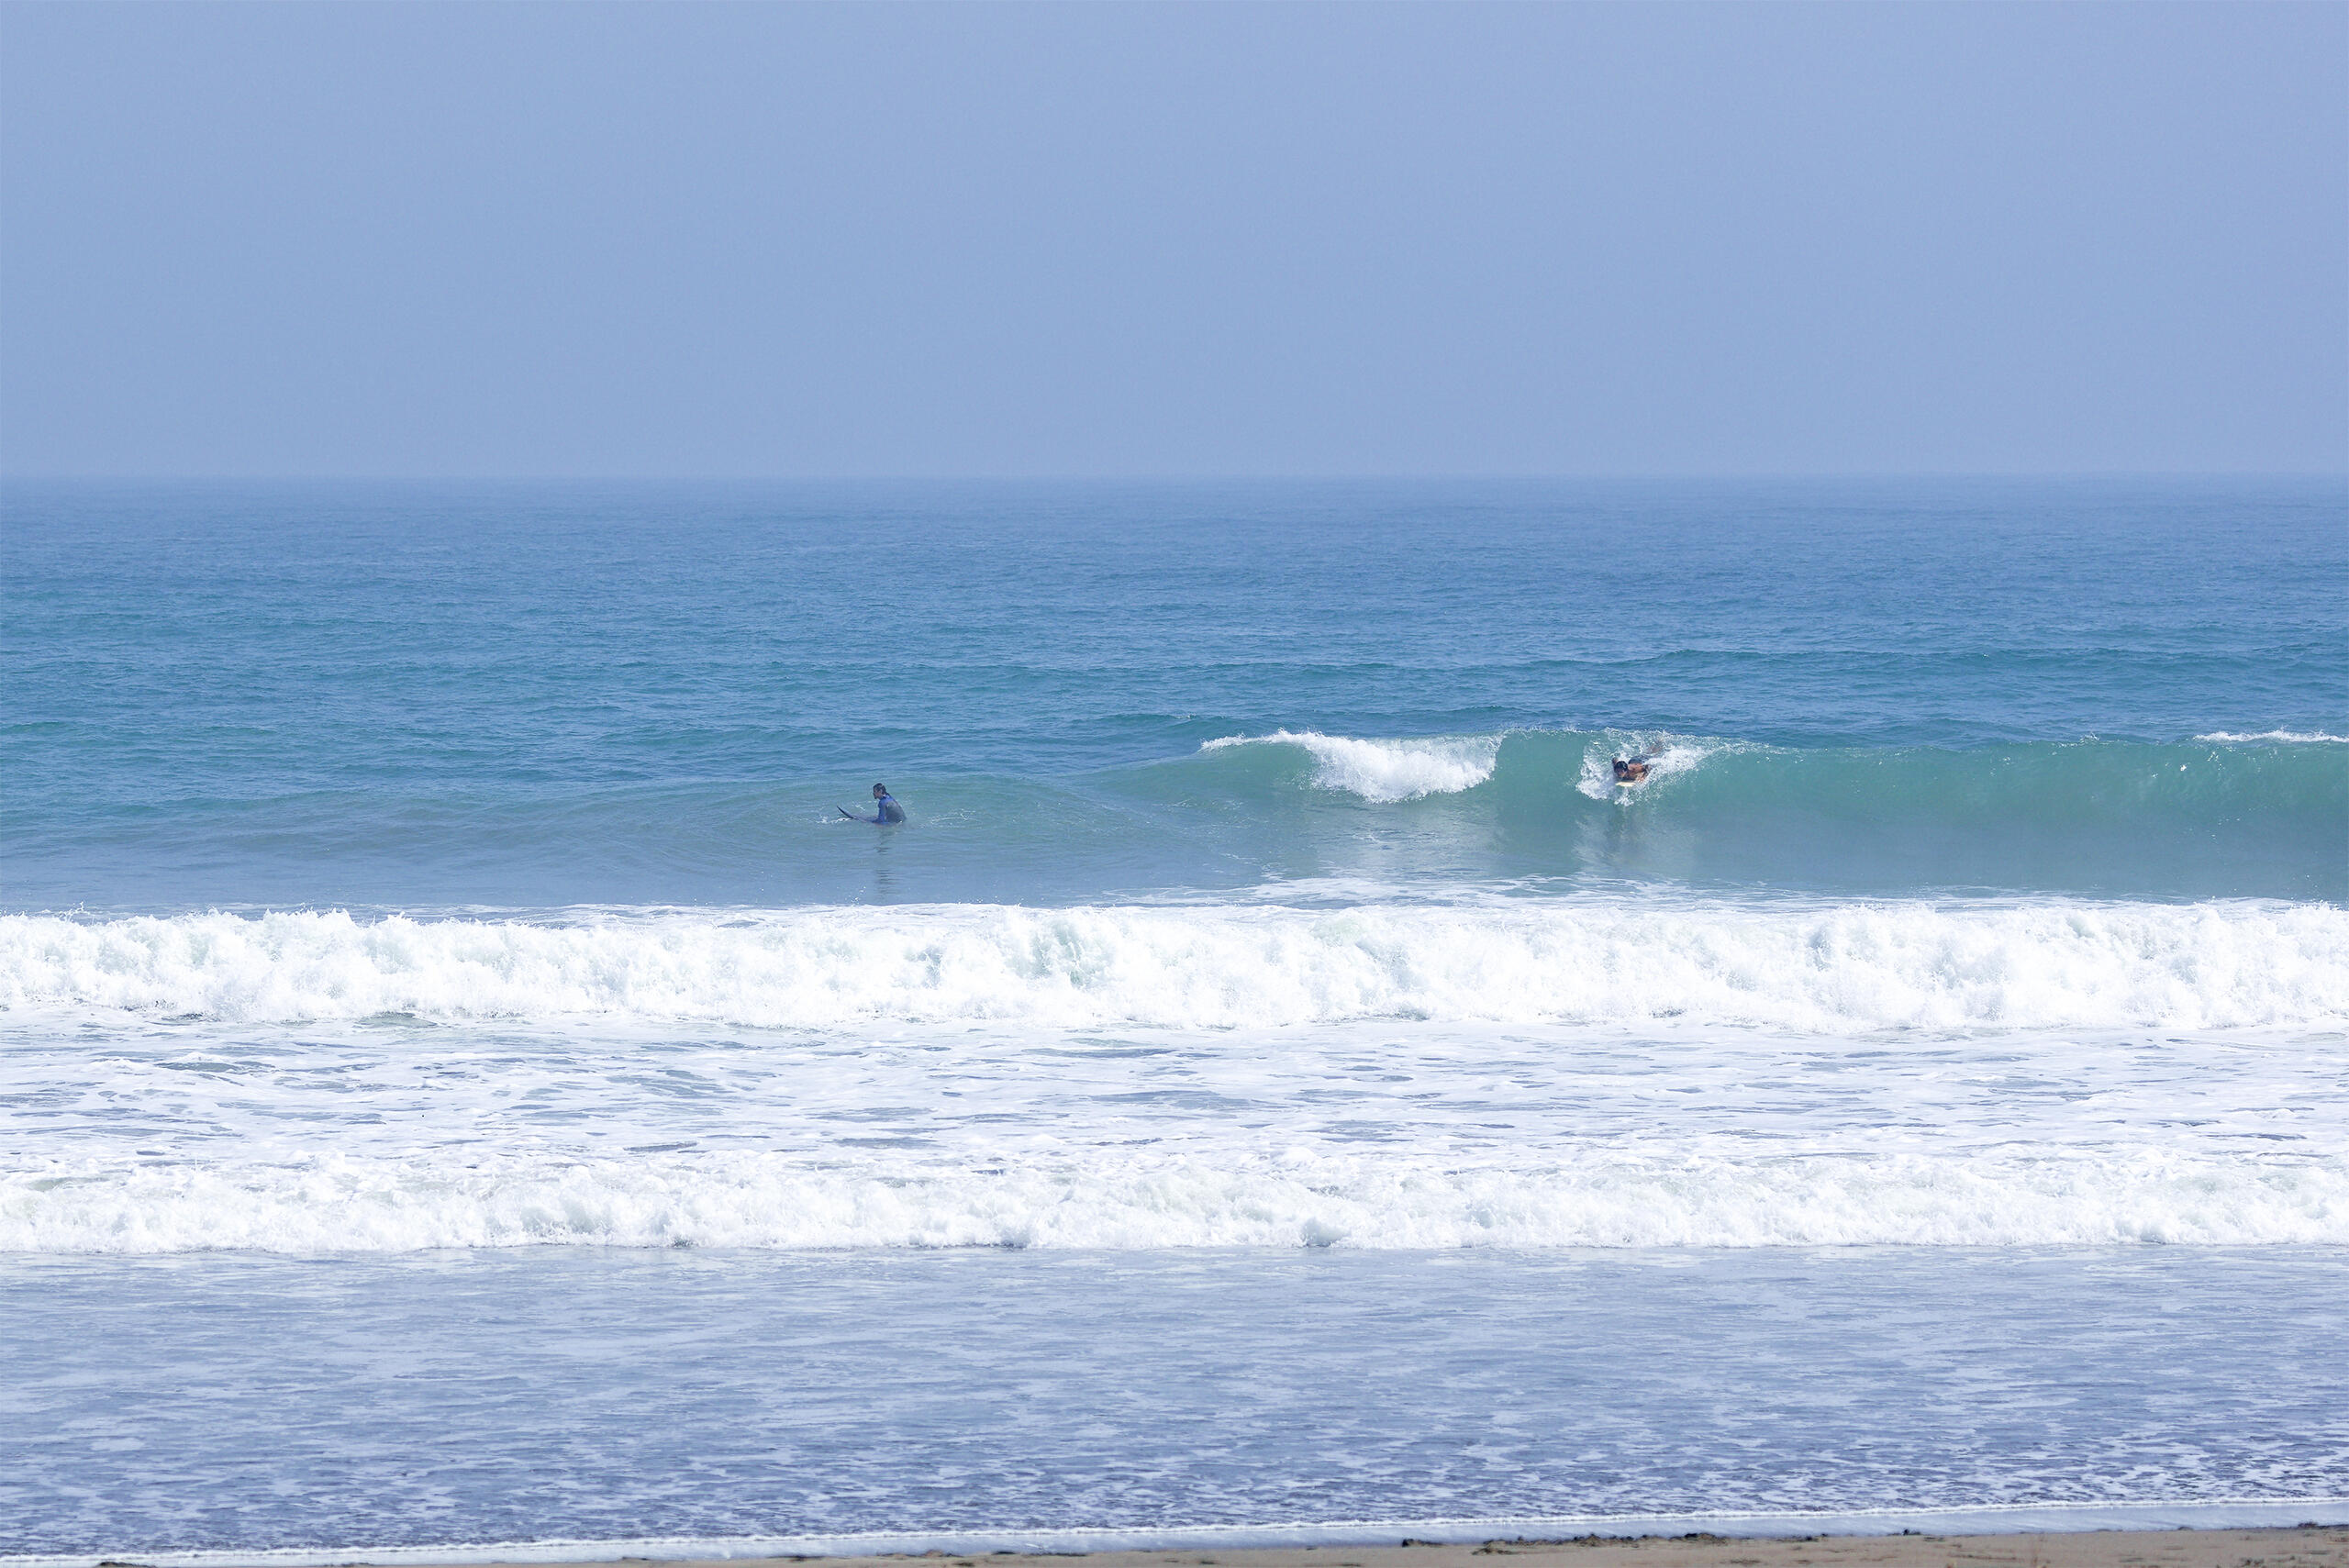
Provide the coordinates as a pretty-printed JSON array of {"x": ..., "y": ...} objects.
[
  {"x": 2285, "y": 736},
  {"x": 2296, "y": 783},
  {"x": 2221, "y": 816},
  {"x": 1666, "y": 757},
  {"x": 1840, "y": 969},
  {"x": 1386, "y": 770}
]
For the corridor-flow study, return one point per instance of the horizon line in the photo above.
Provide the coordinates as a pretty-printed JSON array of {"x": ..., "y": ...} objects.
[{"x": 1146, "y": 477}]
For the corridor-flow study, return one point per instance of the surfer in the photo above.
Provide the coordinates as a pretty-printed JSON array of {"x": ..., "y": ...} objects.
[
  {"x": 1632, "y": 769},
  {"x": 885, "y": 809}
]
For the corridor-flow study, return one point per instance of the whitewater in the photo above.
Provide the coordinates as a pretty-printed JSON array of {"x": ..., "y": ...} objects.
[
  {"x": 1135, "y": 1078},
  {"x": 1843, "y": 969}
]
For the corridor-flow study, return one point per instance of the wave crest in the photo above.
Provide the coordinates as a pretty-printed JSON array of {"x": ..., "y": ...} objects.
[
  {"x": 2285, "y": 736},
  {"x": 1666, "y": 755},
  {"x": 1385, "y": 771}
]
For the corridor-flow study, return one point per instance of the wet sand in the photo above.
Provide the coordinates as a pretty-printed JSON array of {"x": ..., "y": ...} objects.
[{"x": 2304, "y": 1547}]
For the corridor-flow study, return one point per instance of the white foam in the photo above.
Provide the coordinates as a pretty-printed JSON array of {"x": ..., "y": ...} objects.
[
  {"x": 1839, "y": 970},
  {"x": 1666, "y": 756},
  {"x": 1385, "y": 771},
  {"x": 2289, "y": 737},
  {"x": 1711, "y": 1193}
]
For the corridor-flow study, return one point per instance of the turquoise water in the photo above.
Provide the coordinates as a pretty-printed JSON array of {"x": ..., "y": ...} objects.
[
  {"x": 1274, "y": 1081},
  {"x": 658, "y": 696}
]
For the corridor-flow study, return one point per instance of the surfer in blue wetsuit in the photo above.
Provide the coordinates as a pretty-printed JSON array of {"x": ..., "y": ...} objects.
[{"x": 885, "y": 809}]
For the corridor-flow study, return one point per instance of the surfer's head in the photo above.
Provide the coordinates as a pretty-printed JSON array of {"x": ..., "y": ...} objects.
[{"x": 880, "y": 789}]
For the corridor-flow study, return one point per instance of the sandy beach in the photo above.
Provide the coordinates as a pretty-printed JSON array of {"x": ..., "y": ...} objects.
[{"x": 2306, "y": 1546}]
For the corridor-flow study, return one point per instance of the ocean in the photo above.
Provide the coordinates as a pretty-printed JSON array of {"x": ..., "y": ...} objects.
[{"x": 467, "y": 1091}]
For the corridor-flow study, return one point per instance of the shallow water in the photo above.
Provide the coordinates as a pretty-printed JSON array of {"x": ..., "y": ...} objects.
[{"x": 469, "y": 1398}]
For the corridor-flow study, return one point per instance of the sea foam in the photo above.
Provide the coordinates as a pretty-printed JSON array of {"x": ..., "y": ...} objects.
[
  {"x": 1665, "y": 756},
  {"x": 1713, "y": 1194},
  {"x": 1837, "y": 970},
  {"x": 1385, "y": 771},
  {"x": 2285, "y": 736}
]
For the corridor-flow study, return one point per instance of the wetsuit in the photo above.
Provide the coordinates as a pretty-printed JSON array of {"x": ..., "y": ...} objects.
[{"x": 889, "y": 811}]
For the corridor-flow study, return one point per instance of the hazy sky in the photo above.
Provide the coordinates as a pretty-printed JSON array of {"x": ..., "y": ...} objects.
[{"x": 470, "y": 239}]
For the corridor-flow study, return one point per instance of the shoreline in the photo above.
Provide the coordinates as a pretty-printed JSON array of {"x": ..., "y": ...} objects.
[
  {"x": 2307, "y": 1545},
  {"x": 2296, "y": 1546}
]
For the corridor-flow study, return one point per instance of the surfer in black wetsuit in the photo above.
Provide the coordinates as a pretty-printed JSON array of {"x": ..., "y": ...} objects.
[{"x": 885, "y": 809}]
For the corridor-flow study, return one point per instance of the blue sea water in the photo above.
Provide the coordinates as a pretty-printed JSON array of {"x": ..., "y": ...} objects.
[
  {"x": 538, "y": 697},
  {"x": 427, "y": 895}
]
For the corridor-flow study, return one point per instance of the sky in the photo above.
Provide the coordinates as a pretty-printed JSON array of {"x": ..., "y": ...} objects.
[{"x": 1172, "y": 241}]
